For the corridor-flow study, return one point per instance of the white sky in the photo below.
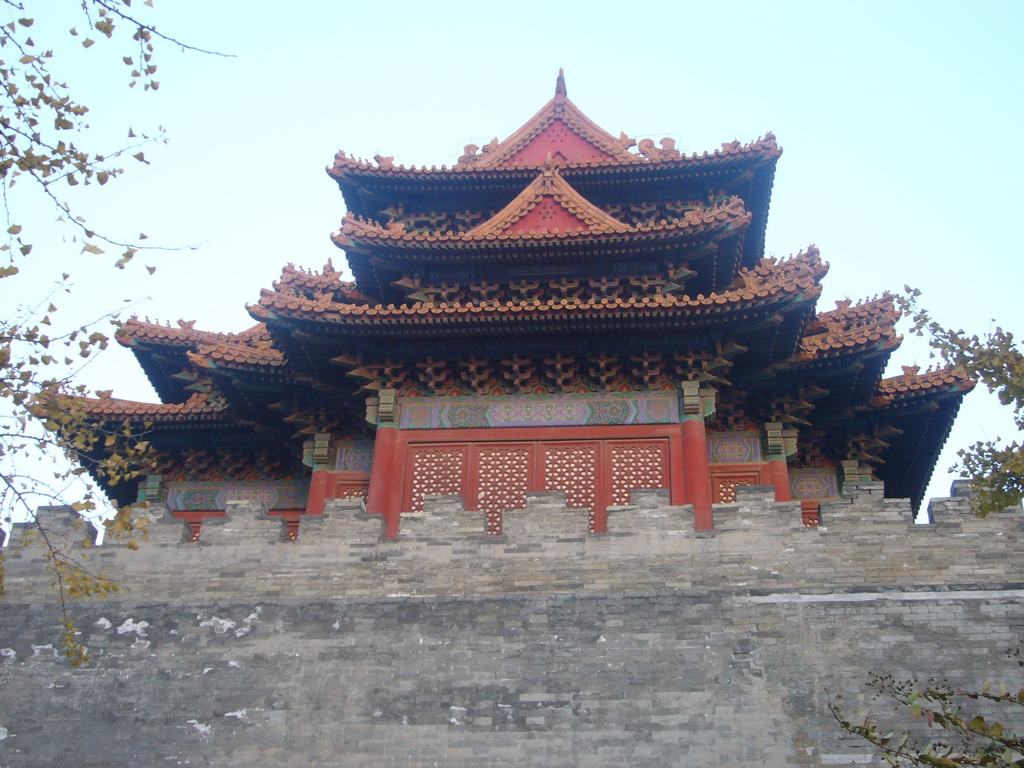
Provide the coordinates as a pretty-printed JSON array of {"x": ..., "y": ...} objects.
[{"x": 899, "y": 122}]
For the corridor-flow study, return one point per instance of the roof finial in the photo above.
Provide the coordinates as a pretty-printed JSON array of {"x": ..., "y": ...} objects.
[{"x": 560, "y": 83}]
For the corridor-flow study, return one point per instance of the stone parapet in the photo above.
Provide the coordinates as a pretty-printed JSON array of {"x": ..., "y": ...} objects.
[{"x": 652, "y": 644}]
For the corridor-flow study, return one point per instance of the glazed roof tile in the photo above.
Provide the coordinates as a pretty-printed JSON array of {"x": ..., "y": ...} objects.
[
  {"x": 559, "y": 124},
  {"x": 848, "y": 314},
  {"x": 762, "y": 149},
  {"x": 574, "y": 141},
  {"x": 135, "y": 331},
  {"x": 548, "y": 187},
  {"x": 198, "y": 407},
  {"x": 318, "y": 282},
  {"x": 729, "y": 214},
  {"x": 770, "y": 281},
  {"x": 912, "y": 382},
  {"x": 851, "y": 327},
  {"x": 261, "y": 355}
]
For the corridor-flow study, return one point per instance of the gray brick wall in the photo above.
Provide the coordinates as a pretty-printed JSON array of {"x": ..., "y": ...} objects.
[{"x": 653, "y": 645}]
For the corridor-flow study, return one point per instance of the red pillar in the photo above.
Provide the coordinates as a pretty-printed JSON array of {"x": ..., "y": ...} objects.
[
  {"x": 318, "y": 485},
  {"x": 380, "y": 497},
  {"x": 696, "y": 478},
  {"x": 778, "y": 470}
]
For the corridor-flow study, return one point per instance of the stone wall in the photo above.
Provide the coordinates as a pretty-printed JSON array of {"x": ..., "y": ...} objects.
[{"x": 651, "y": 645}]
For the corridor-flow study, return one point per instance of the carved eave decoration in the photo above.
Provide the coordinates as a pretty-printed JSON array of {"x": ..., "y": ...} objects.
[
  {"x": 575, "y": 143},
  {"x": 770, "y": 284},
  {"x": 520, "y": 225}
]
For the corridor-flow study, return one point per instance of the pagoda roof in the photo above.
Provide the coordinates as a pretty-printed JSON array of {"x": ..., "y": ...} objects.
[
  {"x": 912, "y": 383},
  {"x": 852, "y": 328},
  {"x": 845, "y": 351},
  {"x": 520, "y": 223},
  {"x": 770, "y": 283},
  {"x": 731, "y": 154},
  {"x": 922, "y": 407},
  {"x": 135, "y": 332},
  {"x": 329, "y": 279},
  {"x": 162, "y": 350},
  {"x": 199, "y": 407},
  {"x": 261, "y": 355},
  {"x": 559, "y": 130},
  {"x": 593, "y": 160}
]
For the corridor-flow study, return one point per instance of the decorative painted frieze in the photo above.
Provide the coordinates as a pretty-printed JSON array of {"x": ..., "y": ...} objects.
[
  {"x": 539, "y": 411},
  {"x": 353, "y": 456},
  {"x": 209, "y": 496},
  {"x": 816, "y": 483},
  {"x": 734, "y": 447}
]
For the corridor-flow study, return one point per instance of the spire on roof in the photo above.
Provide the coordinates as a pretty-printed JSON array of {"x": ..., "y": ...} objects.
[
  {"x": 560, "y": 83},
  {"x": 559, "y": 128}
]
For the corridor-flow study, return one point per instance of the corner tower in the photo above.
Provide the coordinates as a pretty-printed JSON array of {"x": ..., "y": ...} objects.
[{"x": 557, "y": 311}]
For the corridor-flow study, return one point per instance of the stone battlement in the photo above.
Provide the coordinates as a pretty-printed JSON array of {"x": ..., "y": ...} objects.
[
  {"x": 863, "y": 540},
  {"x": 652, "y": 644}
]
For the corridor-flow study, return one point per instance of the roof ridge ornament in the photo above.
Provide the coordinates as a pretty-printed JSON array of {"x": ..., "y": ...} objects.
[{"x": 560, "y": 83}]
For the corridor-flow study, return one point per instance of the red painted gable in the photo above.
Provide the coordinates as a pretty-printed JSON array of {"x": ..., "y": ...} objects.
[{"x": 563, "y": 143}]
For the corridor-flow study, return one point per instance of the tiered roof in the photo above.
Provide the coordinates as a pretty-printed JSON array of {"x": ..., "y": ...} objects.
[
  {"x": 767, "y": 286},
  {"x": 591, "y": 159},
  {"x": 555, "y": 247}
]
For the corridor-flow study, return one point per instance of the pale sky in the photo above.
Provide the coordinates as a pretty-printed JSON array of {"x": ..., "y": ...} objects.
[{"x": 899, "y": 122}]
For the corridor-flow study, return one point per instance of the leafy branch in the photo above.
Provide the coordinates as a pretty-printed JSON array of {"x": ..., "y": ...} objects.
[
  {"x": 996, "y": 359},
  {"x": 48, "y": 427},
  {"x": 970, "y": 739}
]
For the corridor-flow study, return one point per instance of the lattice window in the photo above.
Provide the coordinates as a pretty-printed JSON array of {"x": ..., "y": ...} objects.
[
  {"x": 435, "y": 471},
  {"x": 636, "y": 466},
  {"x": 503, "y": 477},
  {"x": 350, "y": 491},
  {"x": 573, "y": 469},
  {"x": 727, "y": 489}
]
